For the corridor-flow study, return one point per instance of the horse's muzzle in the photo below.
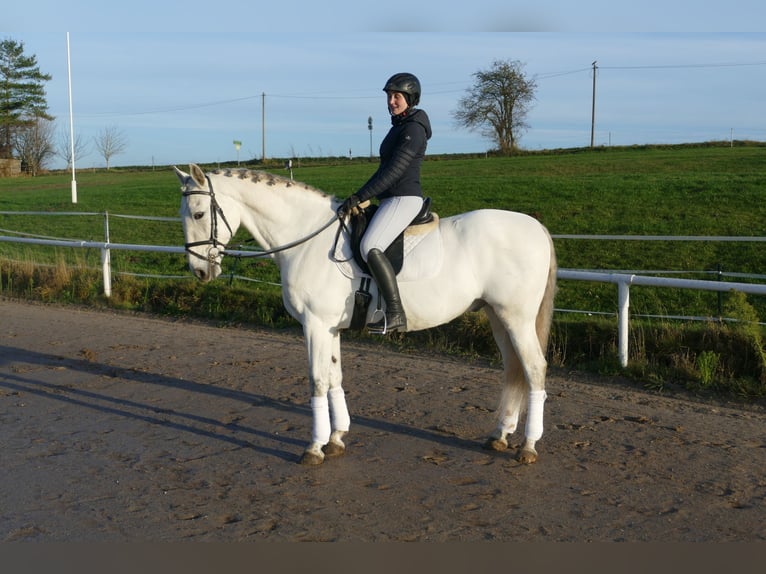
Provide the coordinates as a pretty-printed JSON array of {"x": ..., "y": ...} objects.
[
  {"x": 202, "y": 275},
  {"x": 205, "y": 272}
]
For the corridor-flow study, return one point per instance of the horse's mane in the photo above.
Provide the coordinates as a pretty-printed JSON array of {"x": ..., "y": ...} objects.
[{"x": 259, "y": 176}]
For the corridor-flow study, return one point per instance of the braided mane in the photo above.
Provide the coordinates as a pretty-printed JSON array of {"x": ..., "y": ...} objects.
[{"x": 259, "y": 176}]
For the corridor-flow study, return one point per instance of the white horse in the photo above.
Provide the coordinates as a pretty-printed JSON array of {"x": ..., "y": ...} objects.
[{"x": 499, "y": 261}]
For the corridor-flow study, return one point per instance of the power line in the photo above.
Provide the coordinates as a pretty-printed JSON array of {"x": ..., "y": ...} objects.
[
  {"x": 558, "y": 74},
  {"x": 682, "y": 66},
  {"x": 329, "y": 96},
  {"x": 170, "y": 109}
]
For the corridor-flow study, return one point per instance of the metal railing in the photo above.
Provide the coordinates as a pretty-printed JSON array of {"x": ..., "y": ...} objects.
[{"x": 625, "y": 280}]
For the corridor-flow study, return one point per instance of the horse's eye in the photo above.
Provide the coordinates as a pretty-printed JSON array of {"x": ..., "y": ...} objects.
[{"x": 199, "y": 215}]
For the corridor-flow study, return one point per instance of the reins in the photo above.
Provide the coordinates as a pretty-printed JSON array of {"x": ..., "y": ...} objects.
[
  {"x": 215, "y": 210},
  {"x": 288, "y": 245}
]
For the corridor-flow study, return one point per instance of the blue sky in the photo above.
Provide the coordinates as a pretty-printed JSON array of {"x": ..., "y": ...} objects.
[{"x": 182, "y": 84}]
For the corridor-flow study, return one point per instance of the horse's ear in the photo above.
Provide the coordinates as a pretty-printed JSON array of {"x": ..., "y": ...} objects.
[
  {"x": 197, "y": 175},
  {"x": 181, "y": 175}
]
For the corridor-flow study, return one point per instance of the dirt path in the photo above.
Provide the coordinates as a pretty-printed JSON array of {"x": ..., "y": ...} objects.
[{"x": 127, "y": 428}]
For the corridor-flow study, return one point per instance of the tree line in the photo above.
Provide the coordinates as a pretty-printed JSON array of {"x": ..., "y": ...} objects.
[{"x": 496, "y": 105}]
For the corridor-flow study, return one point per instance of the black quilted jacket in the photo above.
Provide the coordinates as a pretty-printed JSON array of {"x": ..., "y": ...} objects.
[{"x": 401, "y": 154}]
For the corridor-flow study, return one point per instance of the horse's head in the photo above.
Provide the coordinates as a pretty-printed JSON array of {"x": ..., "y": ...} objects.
[{"x": 206, "y": 228}]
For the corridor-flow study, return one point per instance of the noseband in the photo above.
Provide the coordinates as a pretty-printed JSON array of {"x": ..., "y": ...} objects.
[{"x": 215, "y": 211}]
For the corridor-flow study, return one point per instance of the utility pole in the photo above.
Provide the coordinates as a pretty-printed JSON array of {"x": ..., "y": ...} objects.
[
  {"x": 263, "y": 126},
  {"x": 593, "y": 106}
]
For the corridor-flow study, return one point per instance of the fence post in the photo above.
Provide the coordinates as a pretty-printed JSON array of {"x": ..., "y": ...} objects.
[
  {"x": 623, "y": 302},
  {"x": 720, "y": 294},
  {"x": 106, "y": 259}
]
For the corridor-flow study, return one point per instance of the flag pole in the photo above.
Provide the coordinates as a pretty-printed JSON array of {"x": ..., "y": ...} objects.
[{"x": 71, "y": 120}]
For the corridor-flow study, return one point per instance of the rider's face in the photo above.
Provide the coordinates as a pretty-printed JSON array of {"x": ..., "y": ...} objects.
[{"x": 396, "y": 103}]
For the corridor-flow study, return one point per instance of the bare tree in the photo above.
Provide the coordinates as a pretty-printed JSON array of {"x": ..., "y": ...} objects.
[
  {"x": 497, "y": 104},
  {"x": 110, "y": 142},
  {"x": 34, "y": 144},
  {"x": 64, "y": 147}
]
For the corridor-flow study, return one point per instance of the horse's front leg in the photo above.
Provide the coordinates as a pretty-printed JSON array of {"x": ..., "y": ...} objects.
[
  {"x": 330, "y": 416},
  {"x": 339, "y": 417}
]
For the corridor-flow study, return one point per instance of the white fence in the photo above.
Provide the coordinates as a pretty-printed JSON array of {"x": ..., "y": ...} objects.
[{"x": 622, "y": 280}]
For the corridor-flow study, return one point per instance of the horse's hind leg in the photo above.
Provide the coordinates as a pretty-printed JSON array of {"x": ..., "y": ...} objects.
[
  {"x": 524, "y": 378},
  {"x": 514, "y": 387},
  {"x": 534, "y": 364},
  {"x": 509, "y": 409}
]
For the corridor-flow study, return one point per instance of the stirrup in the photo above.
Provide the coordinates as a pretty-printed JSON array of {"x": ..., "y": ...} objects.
[
  {"x": 378, "y": 327},
  {"x": 381, "y": 327}
]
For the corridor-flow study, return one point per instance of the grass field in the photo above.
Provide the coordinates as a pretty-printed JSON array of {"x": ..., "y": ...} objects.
[{"x": 693, "y": 190}]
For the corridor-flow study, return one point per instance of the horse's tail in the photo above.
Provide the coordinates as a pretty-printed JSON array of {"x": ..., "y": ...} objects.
[{"x": 545, "y": 313}]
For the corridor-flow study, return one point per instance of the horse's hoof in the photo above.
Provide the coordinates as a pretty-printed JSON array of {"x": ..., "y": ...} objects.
[
  {"x": 333, "y": 449},
  {"x": 527, "y": 456},
  {"x": 496, "y": 444},
  {"x": 311, "y": 459}
]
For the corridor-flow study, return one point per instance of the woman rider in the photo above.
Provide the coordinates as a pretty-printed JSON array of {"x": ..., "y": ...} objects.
[{"x": 396, "y": 183}]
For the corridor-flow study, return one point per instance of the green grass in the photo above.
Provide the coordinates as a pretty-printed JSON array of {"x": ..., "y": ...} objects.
[{"x": 708, "y": 190}]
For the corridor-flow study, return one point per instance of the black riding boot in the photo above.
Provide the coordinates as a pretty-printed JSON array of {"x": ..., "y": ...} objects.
[{"x": 383, "y": 273}]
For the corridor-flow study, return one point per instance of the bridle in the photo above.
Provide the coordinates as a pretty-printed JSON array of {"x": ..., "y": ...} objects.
[
  {"x": 218, "y": 248},
  {"x": 215, "y": 210}
]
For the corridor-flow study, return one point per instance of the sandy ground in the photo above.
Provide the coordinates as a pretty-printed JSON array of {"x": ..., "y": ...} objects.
[{"x": 118, "y": 427}]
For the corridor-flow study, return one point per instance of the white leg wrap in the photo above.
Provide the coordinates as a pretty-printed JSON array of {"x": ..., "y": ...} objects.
[
  {"x": 341, "y": 421},
  {"x": 534, "y": 428},
  {"x": 321, "y": 413}
]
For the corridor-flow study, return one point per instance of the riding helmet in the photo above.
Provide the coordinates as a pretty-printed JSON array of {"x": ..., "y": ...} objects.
[{"x": 407, "y": 84}]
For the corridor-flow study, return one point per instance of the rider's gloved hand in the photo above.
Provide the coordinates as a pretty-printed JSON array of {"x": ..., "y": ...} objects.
[{"x": 351, "y": 203}]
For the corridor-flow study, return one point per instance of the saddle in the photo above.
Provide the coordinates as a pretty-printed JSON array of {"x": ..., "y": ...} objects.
[
  {"x": 358, "y": 221},
  {"x": 361, "y": 217}
]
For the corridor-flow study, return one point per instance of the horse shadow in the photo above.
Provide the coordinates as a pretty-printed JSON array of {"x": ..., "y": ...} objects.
[{"x": 186, "y": 422}]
